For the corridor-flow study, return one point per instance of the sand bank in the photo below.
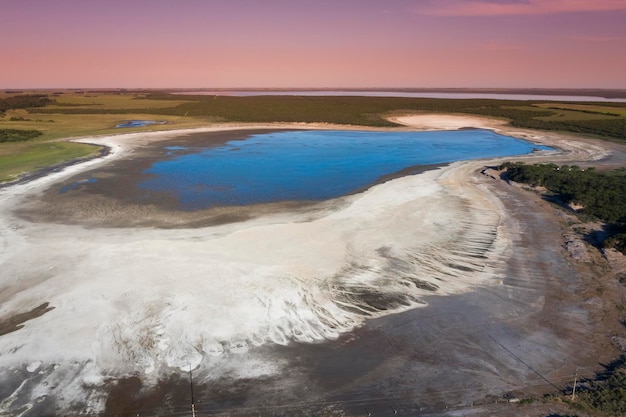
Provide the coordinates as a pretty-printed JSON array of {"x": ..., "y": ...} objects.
[{"x": 148, "y": 302}]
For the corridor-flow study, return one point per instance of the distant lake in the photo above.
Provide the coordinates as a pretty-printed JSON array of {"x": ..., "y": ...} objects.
[
  {"x": 310, "y": 165},
  {"x": 139, "y": 123},
  {"x": 371, "y": 93}
]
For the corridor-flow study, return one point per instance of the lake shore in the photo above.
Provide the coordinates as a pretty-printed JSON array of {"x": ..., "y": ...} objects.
[{"x": 511, "y": 302}]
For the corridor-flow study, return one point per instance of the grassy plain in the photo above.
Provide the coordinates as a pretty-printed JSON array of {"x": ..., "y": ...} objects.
[
  {"x": 75, "y": 114},
  {"x": 600, "y": 109},
  {"x": 105, "y": 101},
  {"x": 23, "y": 158},
  {"x": 50, "y": 149},
  {"x": 63, "y": 126}
]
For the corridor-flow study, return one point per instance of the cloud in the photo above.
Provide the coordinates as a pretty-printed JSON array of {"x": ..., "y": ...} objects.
[{"x": 515, "y": 7}]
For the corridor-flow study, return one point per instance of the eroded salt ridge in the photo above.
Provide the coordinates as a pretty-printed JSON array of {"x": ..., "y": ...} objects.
[{"x": 145, "y": 301}]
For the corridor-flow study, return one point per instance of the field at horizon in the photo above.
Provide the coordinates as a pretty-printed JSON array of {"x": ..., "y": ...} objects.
[{"x": 63, "y": 114}]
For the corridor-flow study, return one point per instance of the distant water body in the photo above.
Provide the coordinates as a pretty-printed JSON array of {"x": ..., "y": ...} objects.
[
  {"x": 139, "y": 123},
  {"x": 311, "y": 165},
  {"x": 368, "y": 93}
]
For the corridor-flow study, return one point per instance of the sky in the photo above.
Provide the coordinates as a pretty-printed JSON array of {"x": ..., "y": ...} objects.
[{"x": 313, "y": 44}]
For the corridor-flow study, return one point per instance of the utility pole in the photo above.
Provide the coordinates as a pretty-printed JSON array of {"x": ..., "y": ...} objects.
[
  {"x": 574, "y": 389},
  {"x": 193, "y": 406}
]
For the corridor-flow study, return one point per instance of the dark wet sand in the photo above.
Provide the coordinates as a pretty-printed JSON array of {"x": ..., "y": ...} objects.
[{"x": 16, "y": 322}]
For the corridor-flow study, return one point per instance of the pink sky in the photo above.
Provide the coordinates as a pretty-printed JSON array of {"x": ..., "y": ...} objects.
[{"x": 312, "y": 43}]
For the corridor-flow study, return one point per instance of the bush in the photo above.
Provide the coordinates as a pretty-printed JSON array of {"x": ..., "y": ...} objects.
[
  {"x": 617, "y": 242},
  {"x": 609, "y": 395},
  {"x": 17, "y": 135},
  {"x": 24, "y": 102},
  {"x": 601, "y": 194}
]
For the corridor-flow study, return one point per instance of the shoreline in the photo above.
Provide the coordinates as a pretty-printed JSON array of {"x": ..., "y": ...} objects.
[
  {"x": 115, "y": 146},
  {"x": 117, "y": 209},
  {"x": 369, "y": 225},
  {"x": 43, "y": 172}
]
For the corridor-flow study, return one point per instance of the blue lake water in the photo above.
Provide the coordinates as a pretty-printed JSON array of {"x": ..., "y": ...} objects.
[
  {"x": 311, "y": 165},
  {"x": 139, "y": 123}
]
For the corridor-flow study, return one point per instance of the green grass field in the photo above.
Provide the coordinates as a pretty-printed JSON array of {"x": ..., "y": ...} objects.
[
  {"x": 63, "y": 126},
  {"x": 32, "y": 157},
  {"x": 47, "y": 149},
  {"x": 599, "y": 109},
  {"x": 71, "y": 114},
  {"x": 111, "y": 101}
]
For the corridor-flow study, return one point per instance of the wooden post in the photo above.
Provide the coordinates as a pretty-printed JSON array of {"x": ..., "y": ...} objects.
[
  {"x": 193, "y": 406},
  {"x": 574, "y": 389}
]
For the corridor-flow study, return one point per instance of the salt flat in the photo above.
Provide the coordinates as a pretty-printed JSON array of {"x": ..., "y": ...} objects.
[{"x": 149, "y": 302}]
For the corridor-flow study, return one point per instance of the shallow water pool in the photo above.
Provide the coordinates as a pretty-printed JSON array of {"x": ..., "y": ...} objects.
[
  {"x": 139, "y": 123},
  {"x": 311, "y": 165}
]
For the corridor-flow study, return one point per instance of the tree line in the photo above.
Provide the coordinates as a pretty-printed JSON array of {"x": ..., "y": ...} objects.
[
  {"x": 28, "y": 101},
  {"x": 601, "y": 194},
  {"x": 607, "y": 393},
  {"x": 366, "y": 111},
  {"x": 18, "y": 135},
  {"x": 24, "y": 102}
]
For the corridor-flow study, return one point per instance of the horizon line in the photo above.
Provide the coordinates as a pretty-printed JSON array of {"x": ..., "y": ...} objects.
[{"x": 407, "y": 89}]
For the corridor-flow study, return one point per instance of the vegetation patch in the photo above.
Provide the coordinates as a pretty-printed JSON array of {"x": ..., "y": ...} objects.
[
  {"x": 17, "y": 135},
  {"x": 42, "y": 155},
  {"x": 600, "y": 194},
  {"x": 607, "y": 393},
  {"x": 24, "y": 102},
  {"x": 603, "y": 109},
  {"x": 608, "y": 121},
  {"x": 617, "y": 242},
  {"x": 614, "y": 128},
  {"x": 110, "y": 101},
  {"x": 78, "y": 113}
]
